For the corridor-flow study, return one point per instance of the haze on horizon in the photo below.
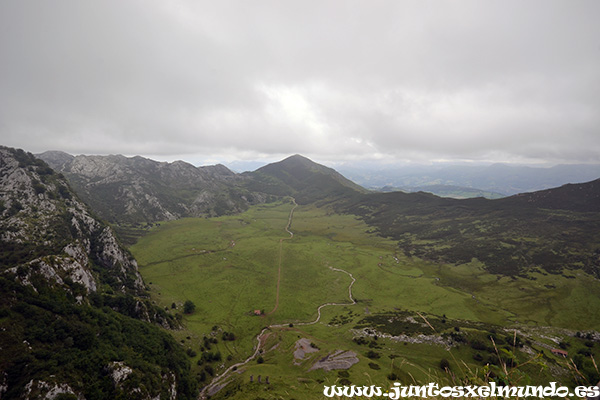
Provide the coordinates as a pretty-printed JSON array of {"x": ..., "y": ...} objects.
[{"x": 206, "y": 82}]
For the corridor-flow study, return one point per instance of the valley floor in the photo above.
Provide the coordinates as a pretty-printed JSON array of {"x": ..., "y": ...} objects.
[{"x": 395, "y": 317}]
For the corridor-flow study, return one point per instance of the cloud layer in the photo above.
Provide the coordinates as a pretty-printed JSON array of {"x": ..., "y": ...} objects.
[{"x": 335, "y": 80}]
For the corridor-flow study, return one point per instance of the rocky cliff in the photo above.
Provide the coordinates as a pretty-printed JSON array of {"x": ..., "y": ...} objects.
[
  {"x": 46, "y": 230},
  {"x": 75, "y": 321}
]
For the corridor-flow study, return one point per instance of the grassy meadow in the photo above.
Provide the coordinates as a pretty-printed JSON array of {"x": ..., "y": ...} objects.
[{"x": 229, "y": 266}]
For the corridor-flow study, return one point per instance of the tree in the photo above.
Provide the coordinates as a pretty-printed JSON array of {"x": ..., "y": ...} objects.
[{"x": 189, "y": 307}]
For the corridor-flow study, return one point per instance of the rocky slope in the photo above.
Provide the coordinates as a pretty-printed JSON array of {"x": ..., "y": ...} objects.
[
  {"x": 74, "y": 319},
  {"x": 46, "y": 230},
  {"x": 137, "y": 190}
]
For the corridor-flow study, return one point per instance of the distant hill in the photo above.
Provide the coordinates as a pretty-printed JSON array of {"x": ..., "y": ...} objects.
[
  {"x": 302, "y": 178},
  {"x": 499, "y": 178},
  {"x": 454, "y": 192},
  {"x": 75, "y": 318}
]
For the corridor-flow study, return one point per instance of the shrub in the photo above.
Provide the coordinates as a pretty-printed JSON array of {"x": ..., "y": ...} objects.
[
  {"x": 189, "y": 307},
  {"x": 444, "y": 364},
  {"x": 374, "y": 366}
]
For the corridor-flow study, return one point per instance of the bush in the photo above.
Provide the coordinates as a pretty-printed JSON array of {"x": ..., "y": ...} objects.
[
  {"x": 374, "y": 366},
  {"x": 189, "y": 307},
  {"x": 373, "y": 354},
  {"x": 444, "y": 365},
  {"x": 191, "y": 353},
  {"x": 343, "y": 374}
]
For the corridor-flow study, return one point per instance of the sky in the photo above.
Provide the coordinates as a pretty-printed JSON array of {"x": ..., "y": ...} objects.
[{"x": 336, "y": 80}]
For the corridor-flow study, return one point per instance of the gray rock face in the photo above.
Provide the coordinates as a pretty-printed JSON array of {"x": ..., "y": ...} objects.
[
  {"x": 69, "y": 280},
  {"x": 37, "y": 389},
  {"x": 136, "y": 189},
  {"x": 302, "y": 348},
  {"x": 46, "y": 231},
  {"x": 56, "y": 159},
  {"x": 339, "y": 359}
]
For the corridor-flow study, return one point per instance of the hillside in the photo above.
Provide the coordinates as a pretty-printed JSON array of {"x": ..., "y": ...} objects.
[
  {"x": 302, "y": 178},
  {"x": 75, "y": 319},
  {"x": 550, "y": 230},
  {"x": 576, "y": 197},
  {"x": 139, "y": 190}
]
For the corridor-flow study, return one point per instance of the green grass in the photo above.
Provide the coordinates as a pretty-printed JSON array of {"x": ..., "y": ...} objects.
[{"x": 228, "y": 266}]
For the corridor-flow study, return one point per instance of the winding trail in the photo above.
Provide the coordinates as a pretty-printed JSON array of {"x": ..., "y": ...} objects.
[
  {"x": 326, "y": 304},
  {"x": 220, "y": 381}
]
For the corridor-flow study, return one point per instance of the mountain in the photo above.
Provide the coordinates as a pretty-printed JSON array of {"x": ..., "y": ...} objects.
[
  {"x": 455, "y": 192},
  {"x": 500, "y": 178},
  {"x": 549, "y": 230},
  {"x": 75, "y": 318},
  {"x": 45, "y": 226},
  {"x": 509, "y": 236},
  {"x": 302, "y": 178},
  {"x": 139, "y": 190},
  {"x": 56, "y": 159}
]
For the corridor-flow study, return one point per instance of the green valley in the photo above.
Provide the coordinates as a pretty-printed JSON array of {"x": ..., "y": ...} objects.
[{"x": 409, "y": 314}]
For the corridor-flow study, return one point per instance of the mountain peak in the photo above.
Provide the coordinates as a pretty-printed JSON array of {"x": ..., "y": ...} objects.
[
  {"x": 297, "y": 157},
  {"x": 55, "y": 158},
  {"x": 298, "y": 160},
  {"x": 303, "y": 178}
]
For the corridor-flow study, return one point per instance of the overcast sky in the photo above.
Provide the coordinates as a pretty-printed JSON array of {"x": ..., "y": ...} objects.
[{"x": 207, "y": 81}]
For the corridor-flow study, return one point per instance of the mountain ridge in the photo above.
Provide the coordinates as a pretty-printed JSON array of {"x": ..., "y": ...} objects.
[
  {"x": 140, "y": 190},
  {"x": 411, "y": 218},
  {"x": 76, "y": 320}
]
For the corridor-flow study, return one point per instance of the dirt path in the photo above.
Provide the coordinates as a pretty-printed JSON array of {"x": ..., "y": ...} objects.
[
  {"x": 220, "y": 381},
  {"x": 352, "y": 302},
  {"x": 287, "y": 229}
]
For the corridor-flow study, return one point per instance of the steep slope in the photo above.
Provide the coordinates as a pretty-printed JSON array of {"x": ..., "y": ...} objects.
[
  {"x": 302, "y": 178},
  {"x": 42, "y": 218},
  {"x": 138, "y": 190},
  {"x": 74, "y": 319},
  {"x": 551, "y": 230}
]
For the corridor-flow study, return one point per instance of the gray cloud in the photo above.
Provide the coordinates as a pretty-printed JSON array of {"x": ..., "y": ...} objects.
[{"x": 412, "y": 80}]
